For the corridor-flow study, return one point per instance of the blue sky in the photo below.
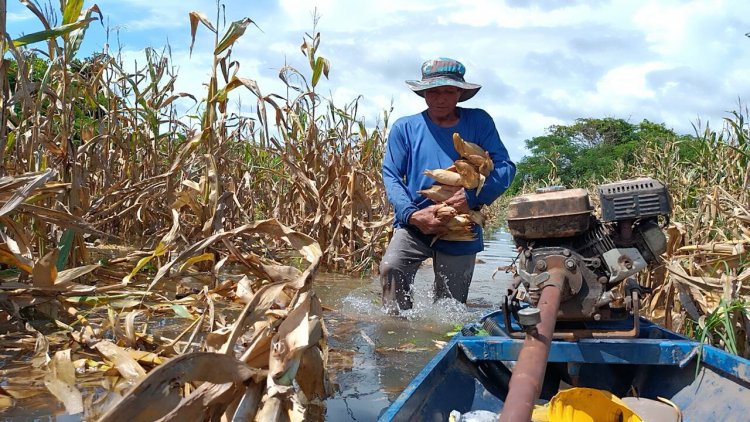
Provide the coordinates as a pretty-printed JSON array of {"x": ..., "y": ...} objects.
[{"x": 541, "y": 62}]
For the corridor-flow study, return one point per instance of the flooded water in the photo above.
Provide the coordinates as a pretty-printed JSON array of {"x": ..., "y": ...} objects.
[{"x": 374, "y": 356}]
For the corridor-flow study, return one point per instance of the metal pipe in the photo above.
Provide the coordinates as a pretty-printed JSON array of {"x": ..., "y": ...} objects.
[{"x": 528, "y": 373}]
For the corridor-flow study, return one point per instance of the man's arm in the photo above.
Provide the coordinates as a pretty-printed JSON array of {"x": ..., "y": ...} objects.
[
  {"x": 501, "y": 177},
  {"x": 394, "y": 170}
]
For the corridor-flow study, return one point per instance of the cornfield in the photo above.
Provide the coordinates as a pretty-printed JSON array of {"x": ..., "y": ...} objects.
[
  {"x": 158, "y": 265},
  {"x": 702, "y": 289},
  {"x": 140, "y": 247}
]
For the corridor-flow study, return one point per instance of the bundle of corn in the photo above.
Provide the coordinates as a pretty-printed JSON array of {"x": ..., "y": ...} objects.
[{"x": 467, "y": 172}]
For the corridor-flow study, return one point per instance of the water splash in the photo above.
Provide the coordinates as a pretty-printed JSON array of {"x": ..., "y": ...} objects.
[{"x": 399, "y": 346}]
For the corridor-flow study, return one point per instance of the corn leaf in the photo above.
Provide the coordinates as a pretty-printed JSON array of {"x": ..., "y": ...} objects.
[
  {"x": 235, "y": 31},
  {"x": 51, "y": 33},
  {"x": 322, "y": 66},
  {"x": 71, "y": 11},
  {"x": 196, "y": 17}
]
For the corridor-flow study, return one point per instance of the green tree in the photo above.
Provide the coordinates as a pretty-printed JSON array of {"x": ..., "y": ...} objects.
[{"x": 590, "y": 150}]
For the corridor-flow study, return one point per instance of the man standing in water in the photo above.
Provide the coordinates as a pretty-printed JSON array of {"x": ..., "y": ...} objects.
[{"x": 422, "y": 142}]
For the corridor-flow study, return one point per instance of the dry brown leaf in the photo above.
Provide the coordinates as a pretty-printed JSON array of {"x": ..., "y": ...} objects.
[
  {"x": 6, "y": 401},
  {"x": 252, "y": 312},
  {"x": 311, "y": 375},
  {"x": 217, "y": 338},
  {"x": 44, "y": 272},
  {"x": 128, "y": 367},
  {"x": 244, "y": 290},
  {"x": 159, "y": 393},
  {"x": 41, "y": 351},
  {"x": 248, "y": 403},
  {"x": 13, "y": 259},
  {"x": 71, "y": 274},
  {"x": 21, "y": 193},
  {"x": 257, "y": 353},
  {"x": 271, "y": 409},
  {"x": 60, "y": 380},
  {"x": 212, "y": 204},
  {"x": 301, "y": 329},
  {"x": 303, "y": 243}
]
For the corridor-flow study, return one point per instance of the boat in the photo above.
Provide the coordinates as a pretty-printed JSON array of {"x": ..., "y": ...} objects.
[
  {"x": 472, "y": 372},
  {"x": 571, "y": 321}
]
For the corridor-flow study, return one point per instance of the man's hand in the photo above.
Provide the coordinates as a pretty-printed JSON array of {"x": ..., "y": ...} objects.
[
  {"x": 458, "y": 201},
  {"x": 428, "y": 221}
]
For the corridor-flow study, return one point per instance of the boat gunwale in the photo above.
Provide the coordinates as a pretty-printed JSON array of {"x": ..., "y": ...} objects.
[{"x": 676, "y": 350}]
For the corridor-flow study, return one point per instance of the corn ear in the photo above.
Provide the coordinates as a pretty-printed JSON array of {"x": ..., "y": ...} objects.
[
  {"x": 445, "y": 177},
  {"x": 487, "y": 165},
  {"x": 437, "y": 193},
  {"x": 469, "y": 174},
  {"x": 466, "y": 148},
  {"x": 476, "y": 160},
  {"x": 444, "y": 210},
  {"x": 460, "y": 222}
]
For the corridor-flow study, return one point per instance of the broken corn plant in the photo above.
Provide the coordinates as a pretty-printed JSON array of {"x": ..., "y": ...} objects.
[
  {"x": 136, "y": 239},
  {"x": 702, "y": 288}
]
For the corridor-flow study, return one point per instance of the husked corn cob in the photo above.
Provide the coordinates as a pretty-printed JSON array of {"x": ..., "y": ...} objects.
[
  {"x": 466, "y": 148},
  {"x": 460, "y": 222},
  {"x": 437, "y": 193},
  {"x": 445, "y": 177},
  {"x": 444, "y": 210},
  {"x": 469, "y": 174}
]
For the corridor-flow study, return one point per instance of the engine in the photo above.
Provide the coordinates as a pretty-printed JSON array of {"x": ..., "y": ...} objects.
[{"x": 559, "y": 234}]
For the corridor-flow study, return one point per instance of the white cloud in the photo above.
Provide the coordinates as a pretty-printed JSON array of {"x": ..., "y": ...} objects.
[
  {"x": 489, "y": 12},
  {"x": 628, "y": 81},
  {"x": 541, "y": 62}
]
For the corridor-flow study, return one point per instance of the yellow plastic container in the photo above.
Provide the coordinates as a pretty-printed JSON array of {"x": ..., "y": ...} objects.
[{"x": 588, "y": 405}]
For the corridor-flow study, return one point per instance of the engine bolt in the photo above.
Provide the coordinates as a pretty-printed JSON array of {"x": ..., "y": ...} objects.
[
  {"x": 570, "y": 264},
  {"x": 566, "y": 252},
  {"x": 541, "y": 265},
  {"x": 603, "y": 280},
  {"x": 597, "y": 317}
]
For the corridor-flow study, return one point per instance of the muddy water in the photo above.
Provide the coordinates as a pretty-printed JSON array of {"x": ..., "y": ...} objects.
[{"x": 374, "y": 356}]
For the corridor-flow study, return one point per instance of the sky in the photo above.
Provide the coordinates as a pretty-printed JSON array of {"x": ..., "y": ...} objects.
[{"x": 540, "y": 62}]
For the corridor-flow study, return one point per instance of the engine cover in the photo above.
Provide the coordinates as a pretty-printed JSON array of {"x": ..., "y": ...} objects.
[
  {"x": 635, "y": 198},
  {"x": 550, "y": 214}
]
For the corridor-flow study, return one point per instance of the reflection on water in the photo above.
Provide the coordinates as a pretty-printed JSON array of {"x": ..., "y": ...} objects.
[{"x": 375, "y": 356}]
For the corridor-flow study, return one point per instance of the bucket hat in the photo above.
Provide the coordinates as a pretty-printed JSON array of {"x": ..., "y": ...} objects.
[{"x": 441, "y": 72}]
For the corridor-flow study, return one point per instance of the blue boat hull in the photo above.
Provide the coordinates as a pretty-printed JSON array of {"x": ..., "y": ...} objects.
[{"x": 706, "y": 383}]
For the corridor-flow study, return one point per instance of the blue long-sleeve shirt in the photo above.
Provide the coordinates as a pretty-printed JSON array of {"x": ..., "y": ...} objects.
[{"x": 416, "y": 144}]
